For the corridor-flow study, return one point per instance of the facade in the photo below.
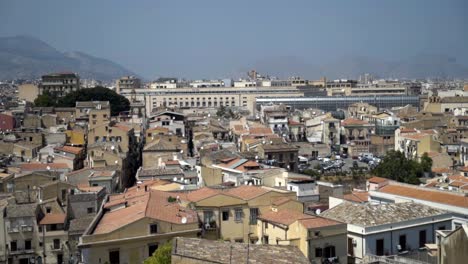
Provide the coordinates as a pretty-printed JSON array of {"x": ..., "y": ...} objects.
[
  {"x": 318, "y": 238},
  {"x": 7, "y": 122},
  {"x": 127, "y": 82},
  {"x": 282, "y": 155},
  {"x": 388, "y": 229},
  {"x": 209, "y": 97},
  {"x": 452, "y": 245},
  {"x": 130, "y": 226},
  {"x": 59, "y": 84},
  {"x": 28, "y": 92}
]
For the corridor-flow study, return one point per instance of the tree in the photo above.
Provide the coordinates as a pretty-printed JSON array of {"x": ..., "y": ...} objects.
[
  {"x": 117, "y": 102},
  {"x": 426, "y": 163},
  {"x": 396, "y": 166},
  {"x": 162, "y": 255},
  {"x": 45, "y": 100}
]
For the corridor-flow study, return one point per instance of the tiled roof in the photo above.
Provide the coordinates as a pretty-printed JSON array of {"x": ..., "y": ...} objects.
[
  {"x": 153, "y": 204},
  {"x": 282, "y": 200},
  {"x": 427, "y": 195},
  {"x": 260, "y": 130},
  {"x": 316, "y": 222},
  {"x": 377, "y": 180},
  {"x": 239, "y": 164},
  {"x": 202, "y": 194},
  {"x": 213, "y": 251},
  {"x": 70, "y": 149},
  {"x": 416, "y": 136},
  {"x": 79, "y": 225},
  {"x": 43, "y": 166},
  {"x": 379, "y": 214},
  {"x": 98, "y": 174},
  {"x": 172, "y": 162},
  {"x": 247, "y": 192},
  {"x": 353, "y": 122},
  {"x": 53, "y": 219},
  {"x": 441, "y": 170},
  {"x": 357, "y": 196},
  {"x": 122, "y": 127},
  {"x": 158, "y": 128},
  {"x": 284, "y": 217},
  {"x": 21, "y": 210}
]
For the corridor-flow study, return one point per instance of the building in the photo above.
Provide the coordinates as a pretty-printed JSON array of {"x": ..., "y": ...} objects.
[
  {"x": 208, "y": 97},
  {"x": 95, "y": 113},
  {"x": 198, "y": 251},
  {"x": 231, "y": 214},
  {"x": 130, "y": 226},
  {"x": 385, "y": 191},
  {"x": 452, "y": 245},
  {"x": 357, "y": 136},
  {"x": 28, "y": 92},
  {"x": 318, "y": 238},
  {"x": 282, "y": 154},
  {"x": 7, "y": 122},
  {"x": 388, "y": 229},
  {"x": 59, "y": 84},
  {"x": 331, "y": 103},
  {"x": 127, "y": 82}
]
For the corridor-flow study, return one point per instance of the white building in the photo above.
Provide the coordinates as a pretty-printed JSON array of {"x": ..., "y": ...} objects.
[{"x": 388, "y": 229}]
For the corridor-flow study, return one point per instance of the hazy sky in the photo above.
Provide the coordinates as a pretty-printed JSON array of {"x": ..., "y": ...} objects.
[{"x": 219, "y": 38}]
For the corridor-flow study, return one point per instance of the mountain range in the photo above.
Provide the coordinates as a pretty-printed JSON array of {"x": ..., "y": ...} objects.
[
  {"x": 24, "y": 57},
  {"x": 28, "y": 58}
]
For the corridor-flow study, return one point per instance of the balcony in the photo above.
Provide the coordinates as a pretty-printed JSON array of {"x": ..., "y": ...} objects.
[{"x": 21, "y": 251}]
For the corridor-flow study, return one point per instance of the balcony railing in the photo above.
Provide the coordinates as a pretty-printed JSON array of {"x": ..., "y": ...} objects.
[
  {"x": 56, "y": 247},
  {"x": 18, "y": 251}
]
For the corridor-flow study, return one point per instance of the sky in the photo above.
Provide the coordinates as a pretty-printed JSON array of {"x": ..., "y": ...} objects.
[{"x": 216, "y": 39}]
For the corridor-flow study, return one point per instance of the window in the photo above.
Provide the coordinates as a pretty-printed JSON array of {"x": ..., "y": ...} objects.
[
  {"x": 402, "y": 243},
  {"x": 318, "y": 252},
  {"x": 422, "y": 238},
  {"x": 27, "y": 244},
  {"x": 90, "y": 210},
  {"x": 380, "y": 247},
  {"x": 266, "y": 225},
  {"x": 13, "y": 246},
  {"x": 48, "y": 209},
  {"x": 253, "y": 216},
  {"x": 151, "y": 249},
  {"x": 350, "y": 247},
  {"x": 114, "y": 257},
  {"x": 239, "y": 240},
  {"x": 153, "y": 228},
  {"x": 56, "y": 243},
  {"x": 441, "y": 227},
  {"x": 265, "y": 240},
  {"x": 329, "y": 252},
  {"x": 238, "y": 214},
  {"x": 60, "y": 258},
  {"x": 225, "y": 215}
]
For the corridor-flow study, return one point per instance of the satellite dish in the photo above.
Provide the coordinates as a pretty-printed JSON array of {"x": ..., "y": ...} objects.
[
  {"x": 112, "y": 147},
  {"x": 116, "y": 162},
  {"x": 175, "y": 179},
  {"x": 318, "y": 211},
  {"x": 183, "y": 220},
  {"x": 48, "y": 168}
]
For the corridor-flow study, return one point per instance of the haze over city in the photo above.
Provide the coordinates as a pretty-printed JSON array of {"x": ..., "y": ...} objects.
[{"x": 217, "y": 39}]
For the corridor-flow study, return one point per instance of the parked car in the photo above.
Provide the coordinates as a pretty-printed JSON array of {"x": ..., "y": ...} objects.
[{"x": 344, "y": 155}]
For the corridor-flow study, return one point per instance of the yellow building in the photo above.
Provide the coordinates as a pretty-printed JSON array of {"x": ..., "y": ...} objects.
[
  {"x": 132, "y": 225},
  {"x": 231, "y": 214},
  {"x": 318, "y": 238}
]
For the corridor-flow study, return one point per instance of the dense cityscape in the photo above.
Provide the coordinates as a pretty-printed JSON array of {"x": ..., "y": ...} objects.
[
  {"x": 226, "y": 132},
  {"x": 341, "y": 171}
]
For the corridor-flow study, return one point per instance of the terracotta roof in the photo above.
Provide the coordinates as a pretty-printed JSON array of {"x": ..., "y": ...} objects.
[
  {"x": 260, "y": 130},
  {"x": 123, "y": 127},
  {"x": 458, "y": 183},
  {"x": 172, "y": 162},
  {"x": 53, "y": 219},
  {"x": 97, "y": 174},
  {"x": 416, "y": 136},
  {"x": 293, "y": 123},
  {"x": 247, "y": 192},
  {"x": 241, "y": 164},
  {"x": 42, "y": 166},
  {"x": 152, "y": 204},
  {"x": 377, "y": 180},
  {"x": 70, "y": 149},
  {"x": 165, "y": 129},
  {"x": 428, "y": 195},
  {"x": 353, "y": 122},
  {"x": 202, "y": 194},
  {"x": 282, "y": 200},
  {"x": 357, "y": 196},
  {"x": 407, "y": 130},
  {"x": 464, "y": 169},
  {"x": 441, "y": 170},
  {"x": 316, "y": 222},
  {"x": 284, "y": 217},
  {"x": 90, "y": 188}
]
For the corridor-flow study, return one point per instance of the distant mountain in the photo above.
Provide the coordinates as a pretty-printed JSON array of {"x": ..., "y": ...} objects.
[
  {"x": 28, "y": 58},
  {"x": 419, "y": 66}
]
